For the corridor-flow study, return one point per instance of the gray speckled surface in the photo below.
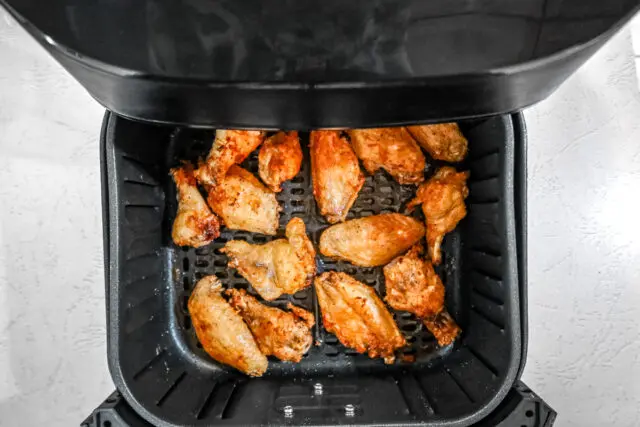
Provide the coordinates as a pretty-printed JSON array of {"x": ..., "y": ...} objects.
[{"x": 584, "y": 242}]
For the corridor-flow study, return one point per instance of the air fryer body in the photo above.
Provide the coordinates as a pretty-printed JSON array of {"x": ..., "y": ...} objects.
[{"x": 307, "y": 64}]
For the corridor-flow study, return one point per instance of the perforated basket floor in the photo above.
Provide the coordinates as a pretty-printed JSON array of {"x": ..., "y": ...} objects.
[{"x": 159, "y": 367}]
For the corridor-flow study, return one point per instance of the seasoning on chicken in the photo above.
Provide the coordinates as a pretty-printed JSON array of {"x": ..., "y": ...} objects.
[
  {"x": 283, "y": 334},
  {"x": 443, "y": 141},
  {"x": 279, "y": 159},
  {"x": 243, "y": 203},
  {"x": 371, "y": 241},
  {"x": 194, "y": 224},
  {"x": 392, "y": 149},
  {"x": 443, "y": 327},
  {"x": 336, "y": 174},
  {"x": 412, "y": 285},
  {"x": 221, "y": 330},
  {"x": 229, "y": 147},
  {"x": 357, "y": 316},
  {"x": 277, "y": 267},
  {"x": 442, "y": 198}
]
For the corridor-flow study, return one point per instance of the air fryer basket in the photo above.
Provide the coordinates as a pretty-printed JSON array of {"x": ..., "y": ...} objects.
[{"x": 160, "y": 369}]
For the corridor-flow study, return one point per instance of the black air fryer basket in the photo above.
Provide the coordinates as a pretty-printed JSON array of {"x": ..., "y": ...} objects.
[
  {"x": 154, "y": 355},
  {"x": 171, "y": 72}
]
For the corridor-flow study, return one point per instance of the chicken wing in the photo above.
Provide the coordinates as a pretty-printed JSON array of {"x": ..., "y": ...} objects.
[
  {"x": 443, "y": 327},
  {"x": 279, "y": 159},
  {"x": 355, "y": 314},
  {"x": 284, "y": 334},
  {"x": 442, "y": 199},
  {"x": 412, "y": 285},
  {"x": 244, "y": 203},
  {"x": 229, "y": 147},
  {"x": 392, "y": 149},
  {"x": 194, "y": 224},
  {"x": 336, "y": 174},
  {"x": 444, "y": 141},
  {"x": 278, "y": 267},
  {"x": 221, "y": 330},
  {"x": 371, "y": 241}
]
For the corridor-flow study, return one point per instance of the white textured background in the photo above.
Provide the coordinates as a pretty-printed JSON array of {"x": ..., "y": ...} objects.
[{"x": 584, "y": 242}]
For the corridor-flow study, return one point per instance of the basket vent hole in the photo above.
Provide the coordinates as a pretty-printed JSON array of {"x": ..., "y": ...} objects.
[
  {"x": 408, "y": 327},
  {"x": 529, "y": 413},
  {"x": 185, "y": 264},
  {"x": 202, "y": 263},
  {"x": 106, "y": 423},
  {"x": 367, "y": 189}
]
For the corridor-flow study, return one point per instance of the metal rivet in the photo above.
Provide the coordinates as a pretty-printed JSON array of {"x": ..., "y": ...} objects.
[
  {"x": 349, "y": 410},
  {"x": 317, "y": 388},
  {"x": 288, "y": 411}
]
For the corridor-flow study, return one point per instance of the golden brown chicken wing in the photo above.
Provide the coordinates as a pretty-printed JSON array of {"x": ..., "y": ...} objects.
[
  {"x": 194, "y": 225},
  {"x": 229, "y": 147},
  {"x": 371, "y": 241},
  {"x": 392, "y": 149},
  {"x": 278, "y": 267},
  {"x": 442, "y": 199},
  {"x": 221, "y": 330},
  {"x": 443, "y": 141},
  {"x": 244, "y": 203},
  {"x": 355, "y": 314},
  {"x": 412, "y": 285},
  {"x": 284, "y": 334},
  {"x": 336, "y": 174},
  {"x": 443, "y": 327},
  {"x": 279, "y": 159}
]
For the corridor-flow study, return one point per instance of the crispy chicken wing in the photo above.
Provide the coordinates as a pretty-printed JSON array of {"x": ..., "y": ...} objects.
[
  {"x": 336, "y": 174},
  {"x": 280, "y": 159},
  {"x": 443, "y": 327},
  {"x": 229, "y": 147},
  {"x": 194, "y": 225},
  {"x": 284, "y": 334},
  {"x": 444, "y": 141},
  {"x": 371, "y": 241},
  {"x": 412, "y": 285},
  {"x": 442, "y": 199},
  {"x": 278, "y": 267},
  {"x": 244, "y": 203},
  {"x": 221, "y": 330},
  {"x": 355, "y": 314},
  {"x": 392, "y": 149}
]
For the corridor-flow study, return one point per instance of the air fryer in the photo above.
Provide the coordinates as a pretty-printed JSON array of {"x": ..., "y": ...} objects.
[{"x": 171, "y": 72}]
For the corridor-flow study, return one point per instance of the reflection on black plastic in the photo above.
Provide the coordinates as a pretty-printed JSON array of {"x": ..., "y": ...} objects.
[{"x": 329, "y": 40}]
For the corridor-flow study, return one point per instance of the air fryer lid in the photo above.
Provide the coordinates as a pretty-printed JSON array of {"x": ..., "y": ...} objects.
[{"x": 303, "y": 63}]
